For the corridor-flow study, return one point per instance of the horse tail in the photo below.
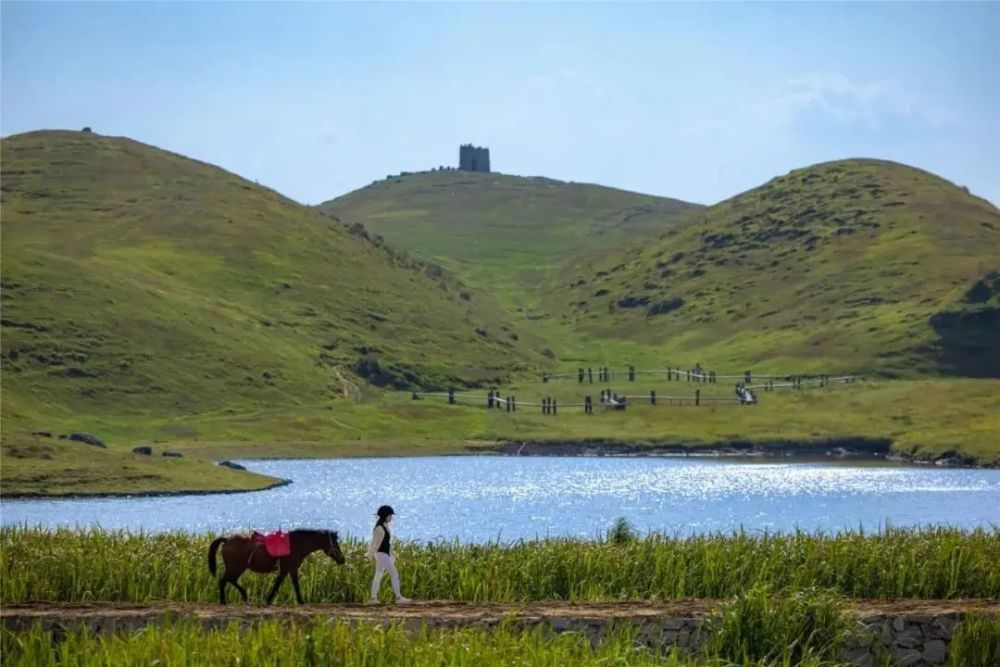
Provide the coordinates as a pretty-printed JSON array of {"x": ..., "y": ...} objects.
[{"x": 211, "y": 554}]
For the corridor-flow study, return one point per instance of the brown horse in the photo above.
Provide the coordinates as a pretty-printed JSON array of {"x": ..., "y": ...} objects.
[{"x": 240, "y": 554}]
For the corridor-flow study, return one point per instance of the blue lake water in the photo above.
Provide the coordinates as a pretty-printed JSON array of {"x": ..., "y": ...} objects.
[{"x": 476, "y": 499}]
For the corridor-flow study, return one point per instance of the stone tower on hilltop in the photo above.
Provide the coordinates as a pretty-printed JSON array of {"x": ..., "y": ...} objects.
[{"x": 473, "y": 158}]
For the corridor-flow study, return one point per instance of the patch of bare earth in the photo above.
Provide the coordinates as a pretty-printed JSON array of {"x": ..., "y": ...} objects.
[{"x": 438, "y": 610}]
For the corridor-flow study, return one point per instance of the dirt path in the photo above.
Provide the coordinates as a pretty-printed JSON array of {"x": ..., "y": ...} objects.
[{"x": 439, "y": 611}]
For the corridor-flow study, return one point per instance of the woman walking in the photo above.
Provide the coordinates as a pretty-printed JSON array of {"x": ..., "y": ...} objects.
[{"x": 381, "y": 550}]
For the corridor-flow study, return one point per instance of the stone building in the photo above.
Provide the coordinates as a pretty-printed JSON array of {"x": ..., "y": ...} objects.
[{"x": 473, "y": 158}]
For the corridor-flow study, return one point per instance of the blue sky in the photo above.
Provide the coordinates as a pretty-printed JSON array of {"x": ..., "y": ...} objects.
[{"x": 695, "y": 101}]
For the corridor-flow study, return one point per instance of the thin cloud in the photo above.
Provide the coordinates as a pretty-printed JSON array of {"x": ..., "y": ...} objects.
[{"x": 869, "y": 103}]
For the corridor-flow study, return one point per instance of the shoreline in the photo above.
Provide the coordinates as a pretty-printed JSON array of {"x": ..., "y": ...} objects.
[
  {"x": 32, "y": 495},
  {"x": 830, "y": 449}
]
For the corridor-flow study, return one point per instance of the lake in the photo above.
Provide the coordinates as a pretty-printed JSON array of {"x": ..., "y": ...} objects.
[{"x": 477, "y": 499}]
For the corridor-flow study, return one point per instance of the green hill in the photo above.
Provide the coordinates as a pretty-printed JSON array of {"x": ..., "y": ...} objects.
[
  {"x": 150, "y": 298},
  {"x": 140, "y": 284},
  {"x": 856, "y": 264},
  {"x": 505, "y": 234}
]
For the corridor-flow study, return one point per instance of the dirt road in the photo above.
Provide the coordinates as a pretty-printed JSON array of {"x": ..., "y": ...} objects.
[{"x": 437, "y": 611}]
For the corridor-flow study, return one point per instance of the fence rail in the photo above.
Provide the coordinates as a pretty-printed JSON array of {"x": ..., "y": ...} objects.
[{"x": 745, "y": 392}]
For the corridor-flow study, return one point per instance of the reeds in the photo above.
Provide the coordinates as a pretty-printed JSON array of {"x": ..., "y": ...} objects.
[
  {"x": 976, "y": 642},
  {"x": 313, "y": 643},
  {"x": 763, "y": 625},
  {"x": 77, "y": 566}
]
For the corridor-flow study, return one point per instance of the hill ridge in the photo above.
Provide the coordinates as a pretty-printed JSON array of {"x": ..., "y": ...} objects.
[
  {"x": 811, "y": 249},
  {"x": 146, "y": 278}
]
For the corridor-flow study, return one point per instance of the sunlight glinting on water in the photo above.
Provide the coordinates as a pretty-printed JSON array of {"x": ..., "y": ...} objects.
[{"x": 484, "y": 498}]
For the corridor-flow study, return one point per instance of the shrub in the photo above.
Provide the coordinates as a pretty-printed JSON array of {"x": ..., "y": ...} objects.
[
  {"x": 769, "y": 626},
  {"x": 976, "y": 642},
  {"x": 621, "y": 532}
]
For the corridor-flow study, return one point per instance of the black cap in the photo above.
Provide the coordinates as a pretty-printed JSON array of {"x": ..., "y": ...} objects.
[{"x": 384, "y": 512}]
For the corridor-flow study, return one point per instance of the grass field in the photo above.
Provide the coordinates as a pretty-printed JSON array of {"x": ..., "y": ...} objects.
[
  {"x": 923, "y": 419},
  {"x": 776, "y": 599},
  {"x": 153, "y": 299},
  {"x": 322, "y": 643},
  {"x": 72, "y": 566}
]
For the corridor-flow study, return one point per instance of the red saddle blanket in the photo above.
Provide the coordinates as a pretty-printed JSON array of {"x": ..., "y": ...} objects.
[{"x": 277, "y": 544}]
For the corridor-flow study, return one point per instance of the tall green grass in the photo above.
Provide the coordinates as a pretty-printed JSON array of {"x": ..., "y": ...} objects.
[
  {"x": 318, "y": 643},
  {"x": 73, "y": 566},
  {"x": 762, "y": 625},
  {"x": 976, "y": 642}
]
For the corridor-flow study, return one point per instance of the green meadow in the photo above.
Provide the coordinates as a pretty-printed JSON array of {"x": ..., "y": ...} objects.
[
  {"x": 921, "y": 419},
  {"x": 781, "y": 599},
  {"x": 150, "y": 299},
  {"x": 119, "y": 566}
]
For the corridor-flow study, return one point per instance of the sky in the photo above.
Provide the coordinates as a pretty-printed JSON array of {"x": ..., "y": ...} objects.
[{"x": 693, "y": 101}]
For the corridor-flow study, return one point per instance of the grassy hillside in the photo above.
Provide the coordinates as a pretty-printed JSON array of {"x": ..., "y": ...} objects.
[
  {"x": 140, "y": 284},
  {"x": 505, "y": 234},
  {"x": 150, "y": 298},
  {"x": 921, "y": 418},
  {"x": 857, "y": 264}
]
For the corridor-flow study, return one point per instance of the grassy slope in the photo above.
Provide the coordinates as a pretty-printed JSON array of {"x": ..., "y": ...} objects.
[
  {"x": 139, "y": 284},
  {"x": 239, "y": 340},
  {"x": 40, "y": 466},
  {"x": 926, "y": 418},
  {"x": 834, "y": 267},
  {"x": 506, "y": 234}
]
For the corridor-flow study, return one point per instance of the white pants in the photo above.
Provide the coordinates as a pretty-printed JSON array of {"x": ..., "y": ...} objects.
[{"x": 384, "y": 562}]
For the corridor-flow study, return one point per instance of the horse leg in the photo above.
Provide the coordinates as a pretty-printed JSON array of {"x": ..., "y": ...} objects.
[
  {"x": 295, "y": 584},
  {"x": 222, "y": 589},
  {"x": 243, "y": 591},
  {"x": 277, "y": 584}
]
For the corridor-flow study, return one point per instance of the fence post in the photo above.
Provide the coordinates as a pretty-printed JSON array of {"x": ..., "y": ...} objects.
[
  {"x": 652, "y": 397},
  {"x": 746, "y": 377},
  {"x": 555, "y": 406},
  {"x": 579, "y": 375},
  {"x": 545, "y": 377},
  {"x": 688, "y": 376},
  {"x": 590, "y": 375},
  {"x": 508, "y": 404},
  {"x": 697, "y": 396},
  {"x": 513, "y": 404},
  {"x": 631, "y": 373},
  {"x": 451, "y": 395}
]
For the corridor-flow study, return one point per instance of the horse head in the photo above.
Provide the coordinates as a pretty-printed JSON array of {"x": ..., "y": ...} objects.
[{"x": 333, "y": 551}]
